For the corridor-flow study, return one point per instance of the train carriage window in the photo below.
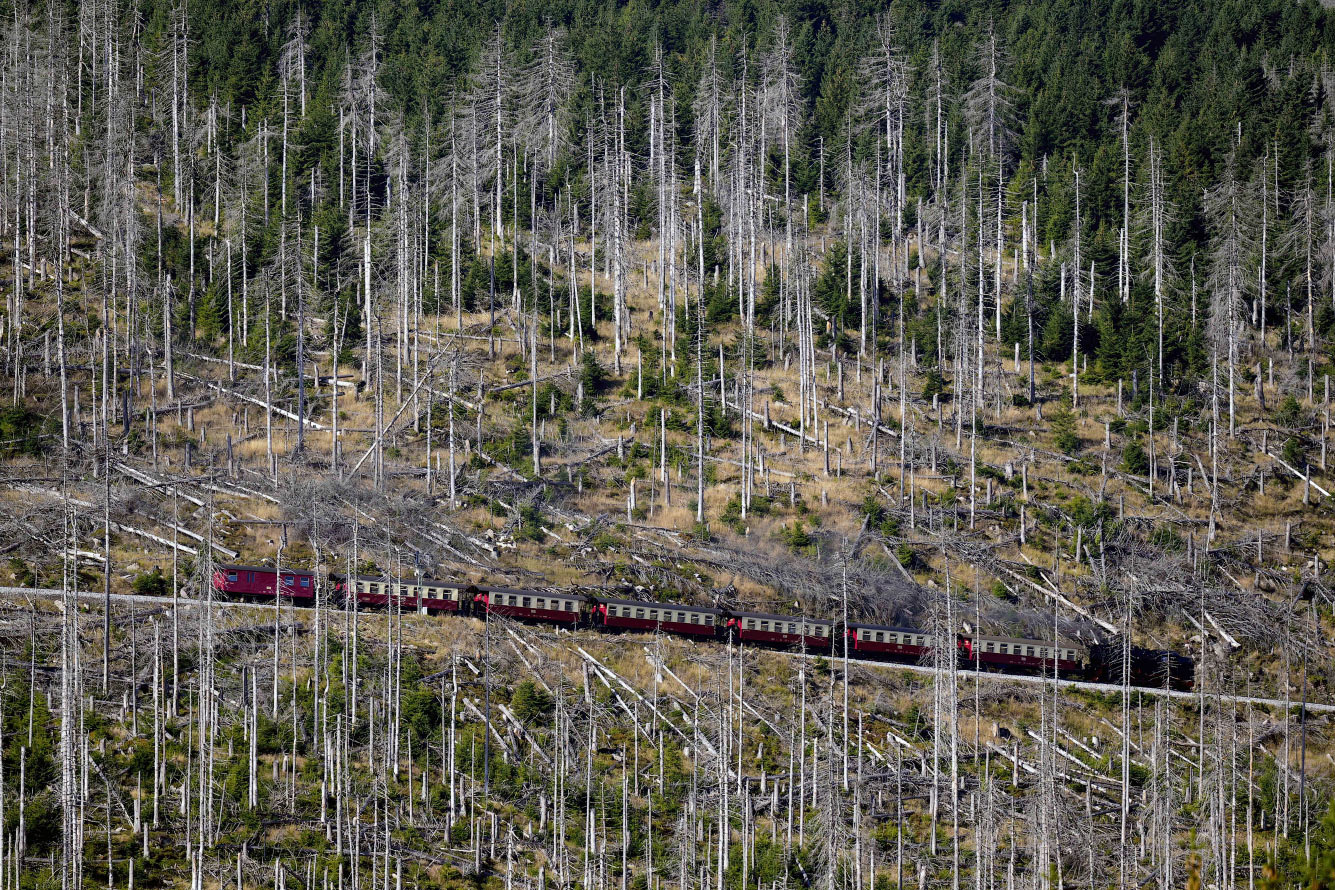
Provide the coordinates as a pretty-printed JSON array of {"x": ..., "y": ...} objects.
[
  {"x": 695, "y": 618},
  {"x": 1028, "y": 650},
  {"x": 639, "y": 613},
  {"x": 528, "y": 601},
  {"x": 880, "y": 636},
  {"x": 1005, "y": 648},
  {"x": 231, "y": 576},
  {"x": 570, "y": 605},
  {"x": 764, "y": 625},
  {"x": 709, "y": 619}
]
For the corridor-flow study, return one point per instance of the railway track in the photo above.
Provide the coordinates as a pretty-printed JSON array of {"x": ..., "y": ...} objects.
[{"x": 25, "y": 594}]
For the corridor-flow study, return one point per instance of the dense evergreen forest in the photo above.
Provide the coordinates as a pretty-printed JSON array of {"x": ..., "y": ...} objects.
[{"x": 964, "y": 318}]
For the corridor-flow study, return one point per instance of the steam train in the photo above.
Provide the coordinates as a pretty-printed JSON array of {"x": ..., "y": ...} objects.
[{"x": 1109, "y": 663}]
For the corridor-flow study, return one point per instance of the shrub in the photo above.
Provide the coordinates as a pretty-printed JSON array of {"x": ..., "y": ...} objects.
[
  {"x": 1064, "y": 435},
  {"x": 152, "y": 583},
  {"x": 1294, "y": 452},
  {"x": 1134, "y": 459},
  {"x": 798, "y": 539},
  {"x": 591, "y": 374},
  {"x": 530, "y": 703},
  {"x": 20, "y": 431},
  {"x": 1289, "y": 412}
]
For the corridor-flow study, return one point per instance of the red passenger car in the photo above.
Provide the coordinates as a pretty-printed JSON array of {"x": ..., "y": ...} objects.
[
  {"x": 530, "y": 605},
  {"x": 426, "y": 595},
  {"x": 260, "y": 581},
  {"x": 891, "y": 642},
  {"x": 783, "y": 630},
  {"x": 696, "y": 621},
  {"x": 1011, "y": 653}
]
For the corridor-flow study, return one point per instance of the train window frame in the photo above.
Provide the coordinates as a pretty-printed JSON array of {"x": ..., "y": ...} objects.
[
  {"x": 231, "y": 577},
  {"x": 1029, "y": 651}
]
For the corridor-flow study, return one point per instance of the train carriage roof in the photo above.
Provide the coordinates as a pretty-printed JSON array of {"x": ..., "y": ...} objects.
[
  {"x": 890, "y": 627},
  {"x": 676, "y": 607},
  {"x": 232, "y": 567},
  {"x": 529, "y": 591},
  {"x": 425, "y": 582},
  {"x": 991, "y": 639},
  {"x": 773, "y": 617}
]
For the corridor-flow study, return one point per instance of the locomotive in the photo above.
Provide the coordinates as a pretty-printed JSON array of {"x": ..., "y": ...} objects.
[{"x": 1099, "y": 663}]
